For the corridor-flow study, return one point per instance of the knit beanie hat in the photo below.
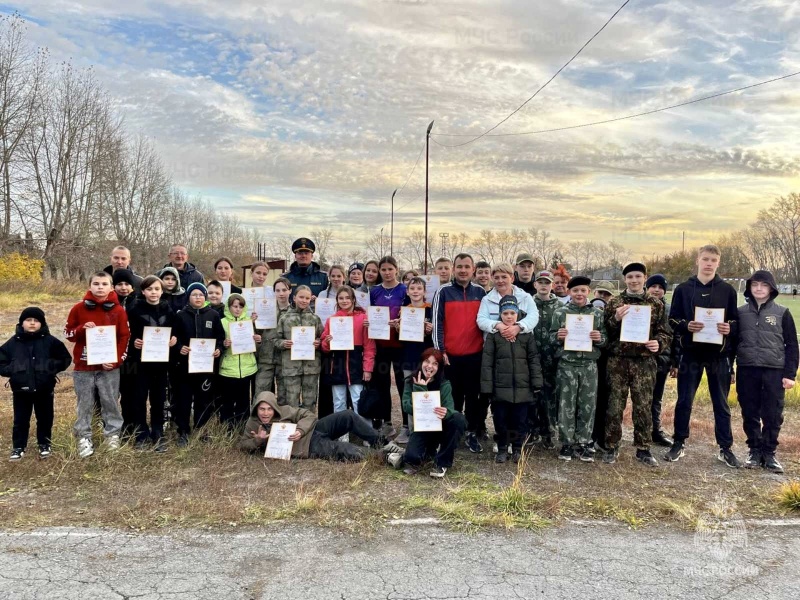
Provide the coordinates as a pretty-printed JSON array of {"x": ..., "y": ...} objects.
[
  {"x": 657, "y": 279},
  {"x": 197, "y": 286},
  {"x": 122, "y": 276},
  {"x": 508, "y": 302},
  {"x": 32, "y": 312}
]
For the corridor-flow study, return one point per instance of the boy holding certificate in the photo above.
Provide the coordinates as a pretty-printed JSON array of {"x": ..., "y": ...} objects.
[
  {"x": 511, "y": 376},
  {"x": 637, "y": 328},
  {"x": 237, "y": 369},
  {"x": 767, "y": 360},
  {"x": 301, "y": 372},
  {"x": 704, "y": 314},
  {"x": 578, "y": 333},
  {"x": 97, "y": 359}
]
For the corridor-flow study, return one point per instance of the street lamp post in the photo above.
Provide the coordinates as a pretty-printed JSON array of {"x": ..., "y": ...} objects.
[
  {"x": 427, "y": 147},
  {"x": 391, "y": 231}
]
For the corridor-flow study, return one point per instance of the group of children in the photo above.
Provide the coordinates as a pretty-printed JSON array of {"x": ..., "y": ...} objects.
[{"x": 542, "y": 383}]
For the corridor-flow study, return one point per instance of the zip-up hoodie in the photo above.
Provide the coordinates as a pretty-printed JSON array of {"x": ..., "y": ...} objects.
[
  {"x": 714, "y": 294},
  {"x": 89, "y": 310},
  {"x": 177, "y": 298},
  {"x": 236, "y": 366},
  {"x": 455, "y": 314}
]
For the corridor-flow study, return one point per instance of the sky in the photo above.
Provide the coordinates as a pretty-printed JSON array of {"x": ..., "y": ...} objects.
[{"x": 298, "y": 115}]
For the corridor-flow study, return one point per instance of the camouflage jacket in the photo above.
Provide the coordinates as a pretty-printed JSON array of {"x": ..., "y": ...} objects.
[
  {"x": 659, "y": 326},
  {"x": 297, "y": 318},
  {"x": 268, "y": 354},
  {"x": 559, "y": 320},
  {"x": 547, "y": 350}
]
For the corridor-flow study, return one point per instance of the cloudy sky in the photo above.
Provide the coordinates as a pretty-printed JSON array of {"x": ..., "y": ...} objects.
[{"x": 295, "y": 115}]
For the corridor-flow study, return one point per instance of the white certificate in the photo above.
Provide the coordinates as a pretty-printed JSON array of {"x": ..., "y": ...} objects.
[
  {"x": 709, "y": 317},
  {"x": 201, "y": 355},
  {"x": 303, "y": 343},
  {"x": 241, "y": 334},
  {"x": 266, "y": 310},
  {"x": 155, "y": 344},
  {"x": 226, "y": 290},
  {"x": 578, "y": 329},
  {"x": 253, "y": 294},
  {"x": 324, "y": 309},
  {"x": 412, "y": 324},
  {"x": 362, "y": 299},
  {"x": 341, "y": 329},
  {"x": 424, "y": 417},
  {"x": 636, "y": 325},
  {"x": 431, "y": 285},
  {"x": 378, "y": 323},
  {"x": 278, "y": 444},
  {"x": 101, "y": 345}
]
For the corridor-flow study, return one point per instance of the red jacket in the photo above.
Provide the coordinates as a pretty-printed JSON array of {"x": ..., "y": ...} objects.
[
  {"x": 109, "y": 312},
  {"x": 360, "y": 339}
]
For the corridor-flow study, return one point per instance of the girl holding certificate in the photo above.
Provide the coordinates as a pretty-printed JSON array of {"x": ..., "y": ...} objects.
[
  {"x": 268, "y": 356},
  {"x": 223, "y": 269},
  {"x": 152, "y": 325},
  {"x": 336, "y": 279},
  {"x": 236, "y": 370},
  {"x": 348, "y": 369}
]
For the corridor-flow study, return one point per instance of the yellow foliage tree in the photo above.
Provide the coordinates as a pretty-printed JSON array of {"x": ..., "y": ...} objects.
[{"x": 21, "y": 267}]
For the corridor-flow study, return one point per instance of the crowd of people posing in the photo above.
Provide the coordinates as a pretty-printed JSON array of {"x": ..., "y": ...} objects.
[{"x": 553, "y": 358}]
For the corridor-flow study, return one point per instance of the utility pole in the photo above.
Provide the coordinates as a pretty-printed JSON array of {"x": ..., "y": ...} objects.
[
  {"x": 444, "y": 237},
  {"x": 427, "y": 154}
]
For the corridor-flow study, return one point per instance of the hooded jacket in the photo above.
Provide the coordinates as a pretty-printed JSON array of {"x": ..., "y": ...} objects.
[
  {"x": 236, "y": 366},
  {"x": 295, "y": 317},
  {"x": 201, "y": 322},
  {"x": 32, "y": 361},
  {"x": 108, "y": 312},
  {"x": 659, "y": 328},
  {"x": 347, "y": 367},
  {"x": 284, "y": 413},
  {"x": 177, "y": 298},
  {"x": 141, "y": 315},
  {"x": 312, "y": 276},
  {"x": 714, "y": 294},
  {"x": 188, "y": 275},
  {"x": 510, "y": 371},
  {"x": 767, "y": 333},
  {"x": 559, "y": 320}
]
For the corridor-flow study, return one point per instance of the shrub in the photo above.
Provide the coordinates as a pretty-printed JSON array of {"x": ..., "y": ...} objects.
[{"x": 21, "y": 267}]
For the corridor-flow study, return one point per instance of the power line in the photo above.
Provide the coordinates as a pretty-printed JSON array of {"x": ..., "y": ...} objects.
[
  {"x": 421, "y": 150},
  {"x": 544, "y": 85},
  {"x": 633, "y": 116}
]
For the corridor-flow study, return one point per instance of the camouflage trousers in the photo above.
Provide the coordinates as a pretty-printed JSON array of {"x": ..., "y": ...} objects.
[
  {"x": 576, "y": 389},
  {"x": 637, "y": 375},
  {"x": 546, "y": 405},
  {"x": 301, "y": 391},
  {"x": 266, "y": 378}
]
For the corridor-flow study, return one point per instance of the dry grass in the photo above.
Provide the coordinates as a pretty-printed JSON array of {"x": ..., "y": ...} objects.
[{"x": 788, "y": 495}]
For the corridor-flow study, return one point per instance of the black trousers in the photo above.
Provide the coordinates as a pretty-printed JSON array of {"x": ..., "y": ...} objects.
[
  {"x": 149, "y": 383},
  {"x": 423, "y": 445},
  {"x": 658, "y": 394},
  {"x": 327, "y": 431},
  {"x": 234, "y": 395},
  {"x": 718, "y": 374},
  {"x": 464, "y": 374},
  {"x": 388, "y": 359},
  {"x": 129, "y": 376},
  {"x": 761, "y": 396},
  {"x": 510, "y": 424},
  {"x": 25, "y": 404},
  {"x": 195, "y": 390}
]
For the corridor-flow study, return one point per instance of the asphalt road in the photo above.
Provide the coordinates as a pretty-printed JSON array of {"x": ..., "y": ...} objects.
[{"x": 742, "y": 561}]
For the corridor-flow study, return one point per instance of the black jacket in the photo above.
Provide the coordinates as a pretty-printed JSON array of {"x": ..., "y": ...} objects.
[
  {"x": 137, "y": 279},
  {"x": 510, "y": 371},
  {"x": 715, "y": 294},
  {"x": 32, "y": 360},
  {"x": 312, "y": 276},
  {"x": 198, "y": 323},
  {"x": 142, "y": 315}
]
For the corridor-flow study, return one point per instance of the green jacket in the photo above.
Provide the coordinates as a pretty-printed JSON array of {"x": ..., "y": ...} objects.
[
  {"x": 304, "y": 419},
  {"x": 559, "y": 320},
  {"x": 510, "y": 371},
  {"x": 267, "y": 353},
  {"x": 237, "y": 366},
  {"x": 659, "y": 326},
  {"x": 547, "y": 350},
  {"x": 445, "y": 393},
  {"x": 294, "y": 317}
]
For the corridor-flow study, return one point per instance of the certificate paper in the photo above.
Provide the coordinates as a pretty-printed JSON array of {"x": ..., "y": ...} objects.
[
  {"x": 709, "y": 317},
  {"x": 424, "y": 417},
  {"x": 201, "y": 355},
  {"x": 101, "y": 345},
  {"x": 362, "y": 299},
  {"x": 253, "y": 294},
  {"x": 578, "y": 329},
  {"x": 241, "y": 334},
  {"x": 342, "y": 331},
  {"x": 303, "y": 343},
  {"x": 226, "y": 290},
  {"x": 278, "y": 444},
  {"x": 431, "y": 285},
  {"x": 636, "y": 325},
  {"x": 266, "y": 310},
  {"x": 324, "y": 309},
  {"x": 155, "y": 344},
  {"x": 412, "y": 324},
  {"x": 378, "y": 323}
]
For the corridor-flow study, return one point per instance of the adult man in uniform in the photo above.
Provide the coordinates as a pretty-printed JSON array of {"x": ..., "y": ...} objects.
[{"x": 304, "y": 271}]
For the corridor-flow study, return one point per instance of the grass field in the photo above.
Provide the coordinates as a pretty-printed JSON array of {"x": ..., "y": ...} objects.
[{"x": 210, "y": 484}]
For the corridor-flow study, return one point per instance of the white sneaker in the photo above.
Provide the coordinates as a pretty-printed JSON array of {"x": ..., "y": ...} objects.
[
  {"x": 85, "y": 448},
  {"x": 345, "y": 438},
  {"x": 113, "y": 442},
  {"x": 395, "y": 459},
  {"x": 510, "y": 450},
  {"x": 494, "y": 448}
]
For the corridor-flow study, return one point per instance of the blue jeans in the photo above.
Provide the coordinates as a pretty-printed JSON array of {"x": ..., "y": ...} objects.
[{"x": 340, "y": 396}]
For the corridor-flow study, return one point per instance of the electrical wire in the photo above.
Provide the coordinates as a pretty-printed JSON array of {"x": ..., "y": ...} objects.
[{"x": 421, "y": 150}]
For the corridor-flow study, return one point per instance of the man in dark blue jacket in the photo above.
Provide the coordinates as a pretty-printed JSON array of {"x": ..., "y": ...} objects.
[
  {"x": 179, "y": 259},
  {"x": 304, "y": 271}
]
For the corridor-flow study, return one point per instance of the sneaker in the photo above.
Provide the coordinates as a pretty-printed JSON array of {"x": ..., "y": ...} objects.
[
  {"x": 395, "y": 459},
  {"x": 183, "y": 440},
  {"x": 85, "y": 448},
  {"x": 566, "y": 452},
  {"x": 391, "y": 447},
  {"x": 646, "y": 457},
  {"x": 675, "y": 452},
  {"x": 113, "y": 442},
  {"x": 587, "y": 454},
  {"x": 661, "y": 438},
  {"x": 483, "y": 435},
  {"x": 495, "y": 449},
  {"x": 500, "y": 458},
  {"x": 754, "y": 459},
  {"x": 345, "y": 438},
  {"x": 44, "y": 451},
  {"x": 548, "y": 444},
  {"x": 473, "y": 444},
  {"x": 403, "y": 436},
  {"x": 600, "y": 448},
  {"x": 727, "y": 456},
  {"x": 17, "y": 454},
  {"x": 610, "y": 457},
  {"x": 771, "y": 464},
  {"x": 510, "y": 450},
  {"x": 388, "y": 431},
  {"x": 160, "y": 446},
  {"x": 438, "y": 472},
  {"x": 516, "y": 457}
]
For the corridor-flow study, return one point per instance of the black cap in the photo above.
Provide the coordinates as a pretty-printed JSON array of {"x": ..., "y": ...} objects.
[
  {"x": 301, "y": 244},
  {"x": 122, "y": 276},
  {"x": 32, "y": 312},
  {"x": 579, "y": 280},
  {"x": 657, "y": 279},
  {"x": 634, "y": 266}
]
